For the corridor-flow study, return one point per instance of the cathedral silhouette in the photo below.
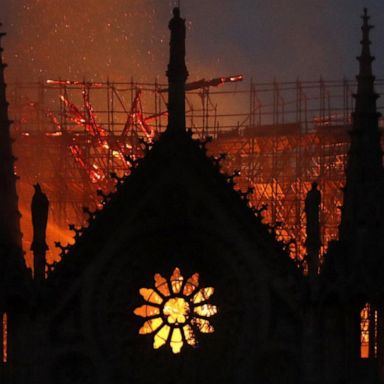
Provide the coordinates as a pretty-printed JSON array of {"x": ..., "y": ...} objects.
[{"x": 177, "y": 279}]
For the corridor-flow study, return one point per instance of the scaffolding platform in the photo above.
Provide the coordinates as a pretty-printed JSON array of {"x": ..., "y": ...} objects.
[{"x": 70, "y": 136}]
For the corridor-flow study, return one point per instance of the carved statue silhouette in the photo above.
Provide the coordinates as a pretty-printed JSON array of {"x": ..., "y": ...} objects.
[
  {"x": 312, "y": 208},
  {"x": 313, "y": 242},
  {"x": 39, "y": 208}
]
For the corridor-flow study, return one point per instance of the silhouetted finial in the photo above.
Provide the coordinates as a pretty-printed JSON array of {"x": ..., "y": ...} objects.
[
  {"x": 177, "y": 70},
  {"x": 365, "y": 78},
  {"x": 177, "y": 73},
  {"x": 365, "y": 57},
  {"x": 176, "y": 12}
]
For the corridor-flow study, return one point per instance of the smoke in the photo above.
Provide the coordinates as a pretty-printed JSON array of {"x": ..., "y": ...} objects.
[
  {"x": 118, "y": 39},
  {"x": 88, "y": 39}
]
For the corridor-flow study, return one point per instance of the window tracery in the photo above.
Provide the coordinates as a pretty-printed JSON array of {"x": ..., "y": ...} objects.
[
  {"x": 4, "y": 338},
  {"x": 368, "y": 332},
  {"x": 175, "y": 310}
]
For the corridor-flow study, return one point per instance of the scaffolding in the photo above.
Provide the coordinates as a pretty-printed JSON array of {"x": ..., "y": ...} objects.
[{"x": 72, "y": 135}]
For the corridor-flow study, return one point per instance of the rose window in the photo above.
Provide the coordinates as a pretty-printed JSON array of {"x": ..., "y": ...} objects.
[{"x": 176, "y": 310}]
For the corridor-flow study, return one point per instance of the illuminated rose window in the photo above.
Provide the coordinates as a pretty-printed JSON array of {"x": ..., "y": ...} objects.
[{"x": 176, "y": 310}]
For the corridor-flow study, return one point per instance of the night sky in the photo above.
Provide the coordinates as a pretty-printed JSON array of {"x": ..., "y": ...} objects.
[{"x": 120, "y": 39}]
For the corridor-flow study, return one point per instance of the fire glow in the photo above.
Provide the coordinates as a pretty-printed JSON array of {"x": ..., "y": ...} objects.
[
  {"x": 5, "y": 337},
  {"x": 107, "y": 135}
]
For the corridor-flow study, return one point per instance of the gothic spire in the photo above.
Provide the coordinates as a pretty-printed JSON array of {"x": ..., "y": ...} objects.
[
  {"x": 10, "y": 235},
  {"x": 177, "y": 74},
  {"x": 363, "y": 210},
  {"x": 366, "y": 96}
]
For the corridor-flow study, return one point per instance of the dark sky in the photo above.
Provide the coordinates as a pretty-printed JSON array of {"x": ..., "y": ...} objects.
[{"x": 263, "y": 39}]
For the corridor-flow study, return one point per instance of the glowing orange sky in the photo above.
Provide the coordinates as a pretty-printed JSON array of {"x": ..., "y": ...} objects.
[
  {"x": 120, "y": 39},
  {"x": 92, "y": 39}
]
